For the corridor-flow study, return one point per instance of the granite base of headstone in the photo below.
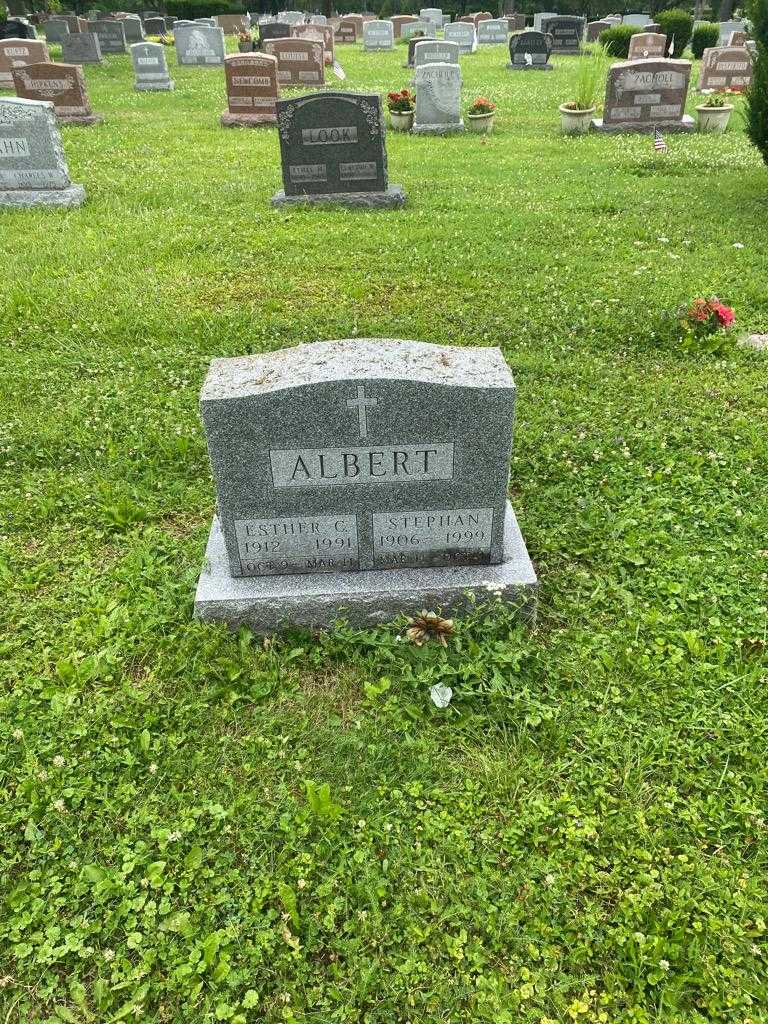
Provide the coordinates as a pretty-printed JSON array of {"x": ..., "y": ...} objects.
[
  {"x": 334, "y": 501},
  {"x": 33, "y": 169},
  {"x": 332, "y": 151}
]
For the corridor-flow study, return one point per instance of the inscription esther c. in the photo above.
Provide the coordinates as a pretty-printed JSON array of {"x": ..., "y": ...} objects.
[
  {"x": 341, "y": 467},
  {"x": 297, "y": 544}
]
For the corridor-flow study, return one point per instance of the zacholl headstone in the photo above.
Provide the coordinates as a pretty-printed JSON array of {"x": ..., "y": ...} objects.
[
  {"x": 642, "y": 95},
  {"x": 438, "y": 100},
  {"x": 33, "y": 170},
  {"x": 360, "y": 479},
  {"x": 252, "y": 90},
  {"x": 332, "y": 151}
]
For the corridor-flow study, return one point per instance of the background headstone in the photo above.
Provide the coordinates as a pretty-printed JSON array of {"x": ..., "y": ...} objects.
[
  {"x": 332, "y": 150},
  {"x": 435, "y": 51},
  {"x": 529, "y": 51},
  {"x": 63, "y": 85},
  {"x": 438, "y": 99},
  {"x": 111, "y": 35},
  {"x": 378, "y": 35},
  {"x": 300, "y": 62},
  {"x": 492, "y": 31},
  {"x": 321, "y": 33},
  {"x": 134, "y": 30},
  {"x": 150, "y": 68},
  {"x": 155, "y": 26},
  {"x": 725, "y": 67},
  {"x": 398, "y": 20},
  {"x": 199, "y": 45},
  {"x": 360, "y": 479},
  {"x": 566, "y": 32},
  {"x": 643, "y": 45},
  {"x": 642, "y": 95},
  {"x": 594, "y": 28},
  {"x": 274, "y": 30},
  {"x": 33, "y": 169},
  {"x": 463, "y": 34},
  {"x": 81, "y": 48},
  {"x": 55, "y": 30},
  {"x": 231, "y": 24},
  {"x": 727, "y": 28},
  {"x": 252, "y": 89},
  {"x": 413, "y": 28},
  {"x": 17, "y": 53}
]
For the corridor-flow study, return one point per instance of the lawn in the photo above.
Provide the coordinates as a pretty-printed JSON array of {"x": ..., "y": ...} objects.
[{"x": 202, "y": 826}]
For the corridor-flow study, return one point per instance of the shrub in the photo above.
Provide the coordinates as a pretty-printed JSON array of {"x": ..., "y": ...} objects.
[
  {"x": 704, "y": 35},
  {"x": 676, "y": 25},
  {"x": 616, "y": 40},
  {"x": 757, "y": 94}
]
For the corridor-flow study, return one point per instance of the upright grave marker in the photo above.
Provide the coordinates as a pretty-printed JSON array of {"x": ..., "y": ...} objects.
[
  {"x": 346, "y": 33},
  {"x": 435, "y": 51},
  {"x": 566, "y": 32},
  {"x": 332, "y": 151},
  {"x": 55, "y": 30},
  {"x": 594, "y": 28},
  {"x": 320, "y": 33},
  {"x": 252, "y": 90},
  {"x": 438, "y": 100},
  {"x": 463, "y": 34},
  {"x": 425, "y": 29},
  {"x": 642, "y": 95},
  {"x": 378, "y": 35},
  {"x": 134, "y": 30},
  {"x": 111, "y": 35},
  {"x": 492, "y": 31},
  {"x": 33, "y": 169},
  {"x": 725, "y": 67},
  {"x": 17, "y": 53},
  {"x": 81, "y": 48},
  {"x": 150, "y": 68},
  {"x": 155, "y": 26},
  {"x": 360, "y": 479},
  {"x": 199, "y": 45},
  {"x": 529, "y": 51},
  {"x": 398, "y": 20},
  {"x": 647, "y": 44},
  {"x": 300, "y": 62},
  {"x": 273, "y": 30},
  {"x": 63, "y": 85}
]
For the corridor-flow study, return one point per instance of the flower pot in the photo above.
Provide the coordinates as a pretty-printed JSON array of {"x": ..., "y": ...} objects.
[
  {"x": 575, "y": 122},
  {"x": 402, "y": 120},
  {"x": 245, "y": 47},
  {"x": 714, "y": 120},
  {"x": 481, "y": 123}
]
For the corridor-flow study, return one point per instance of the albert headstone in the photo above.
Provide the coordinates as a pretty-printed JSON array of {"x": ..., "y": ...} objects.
[
  {"x": 111, "y": 35},
  {"x": 725, "y": 67},
  {"x": 63, "y": 85},
  {"x": 300, "y": 62},
  {"x": 332, "y": 150},
  {"x": 566, "y": 32},
  {"x": 529, "y": 51},
  {"x": 33, "y": 170},
  {"x": 463, "y": 34},
  {"x": 81, "y": 48},
  {"x": 642, "y": 95},
  {"x": 378, "y": 35},
  {"x": 360, "y": 479},
  {"x": 150, "y": 68},
  {"x": 199, "y": 45},
  {"x": 492, "y": 31},
  {"x": 252, "y": 89},
  {"x": 438, "y": 100},
  {"x": 643, "y": 45},
  {"x": 17, "y": 53}
]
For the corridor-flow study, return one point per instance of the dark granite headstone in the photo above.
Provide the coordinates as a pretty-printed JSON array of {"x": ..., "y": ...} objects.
[
  {"x": 566, "y": 32},
  {"x": 111, "y": 36},
  {"x": 274, "y": 30},
  {"x": 594, "y": 28},
  {"x": 529, "y": 51},
  {"x": 155, "y": 26},
  {"x": 332, "y": 150},
  {"x": 81, "y": 48},
  {"x": 17, "y": 28},
  {"x": 642, "y": 95}
]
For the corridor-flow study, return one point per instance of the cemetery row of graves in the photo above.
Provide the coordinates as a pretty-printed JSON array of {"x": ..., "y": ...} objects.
[{"x": 384, "y": 620}]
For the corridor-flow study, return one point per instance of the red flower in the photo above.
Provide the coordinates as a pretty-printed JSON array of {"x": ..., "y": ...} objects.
[{"x": 724, "y": 314}]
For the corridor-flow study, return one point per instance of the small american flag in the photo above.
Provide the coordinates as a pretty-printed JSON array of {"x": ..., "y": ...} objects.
[
  {"x": 658, "y": 142},
  {"x": 671, "y": 50},
  {"x": 338, "y": 70}
]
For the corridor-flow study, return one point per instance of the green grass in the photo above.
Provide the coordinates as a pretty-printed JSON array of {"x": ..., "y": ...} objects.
[{"x": 581, "y": 835}]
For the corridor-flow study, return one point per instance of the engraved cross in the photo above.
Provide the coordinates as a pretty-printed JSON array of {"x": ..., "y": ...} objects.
[{"x": 362, "y": 404}]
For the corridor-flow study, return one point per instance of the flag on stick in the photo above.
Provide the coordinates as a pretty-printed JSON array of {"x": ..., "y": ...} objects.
[
  {"x": 659, "y": 144},
  {"x": 338, "y": 70}
]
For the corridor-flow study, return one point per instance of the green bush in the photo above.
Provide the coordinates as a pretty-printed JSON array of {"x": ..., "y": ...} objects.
[
  {"x": 704, "y": 35},
  {"x": 676, "y": 25},
  {"x": 757, "y": 94},
  {"x": 616, "y": 40}
]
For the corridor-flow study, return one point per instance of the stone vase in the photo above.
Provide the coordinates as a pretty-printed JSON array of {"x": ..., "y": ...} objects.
[
  {"x": 575, "y": 122},
  {"x": 714, "y": 120},
  {"x": 402, "y": 120},
  {"x": 245, "y": 47},
  {"x": 481, "y": 124}
]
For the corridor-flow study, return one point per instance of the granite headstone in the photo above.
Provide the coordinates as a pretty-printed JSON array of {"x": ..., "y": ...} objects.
[
  {"x": 111, "y": 35},
  {"x": 643, "y": 45},
  {"x": 150, "y": 68},
  {"x": 199, "y": 45},
  {"x": 529, "y": 51},
  {"x": 463, "y": 34},
  {"x": 33, "y": 169},
  {"x": 438, "y": 100},
  {"x": 81, "y": 48},
  {"x": 63, "y": 85},
  {"x": 567, "y": 33},
  {"x": 300, "y": 62},
  {"x": 320, "y": 33},
  {"x": 17, "y": 53},
  {"x": 725, "y": 67},
  {"x": 642, "y": 95},
  {"x": 252, "y": 89},
  {"x": 378, "y": 35},
  {"x": 492, "y": 31}
]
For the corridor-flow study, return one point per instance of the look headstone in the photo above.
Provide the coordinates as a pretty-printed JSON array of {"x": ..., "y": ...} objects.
[
  {"x": 155, "y": 26},
  {"x": 332, "y": 151},
  {"x": 492, "y": 31},
  {"x": 300, "y": 62},
  {"x": 360, "y": 479},
  {"x": 320, "y": 33},
  {"x": 378, "y": 35},
  {"x": 725, "y": 67},
  {"x": 199, "y": 45},
  {"x": 647, "y": 44},
  {"x": 438, "y": 100},
  {"x": 33, "y": 170},
  {"x": 63, "y": 85},
  {"x": 252, "y": 90},
  {"x": 398, "y": 20},
  {"x": 55, "y": 30},
  {"x": 642, "y": 95},
  {"x": 81, "y": 48},
  {"x": 150, "y": 68},
  {"x": 17, "y": 53},
  {"x": 464, "y": 35},
  {"x": 594, "y": 28},
  {"x": 566, "y": 32},
  {"x": 529, "y": 51},
  {"x": 111, "y": 35},
  {"x": 273, "y": 30}
]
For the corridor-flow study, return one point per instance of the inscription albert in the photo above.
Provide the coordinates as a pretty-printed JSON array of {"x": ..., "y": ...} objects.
[{"x": 339, "y": 467}]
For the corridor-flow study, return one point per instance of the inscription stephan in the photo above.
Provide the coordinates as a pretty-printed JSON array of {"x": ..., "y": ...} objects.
[
  {"x": 340, "y": 467},
  {"x": 329, "y": 136}
]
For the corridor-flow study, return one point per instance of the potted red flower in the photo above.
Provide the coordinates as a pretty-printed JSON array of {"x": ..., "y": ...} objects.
[
  {"x": 244, "y": 42},
  {"x": 706, "y": 324},
  {"x": 402, "y": 106},
  {"x": 481, "y": 115}
]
